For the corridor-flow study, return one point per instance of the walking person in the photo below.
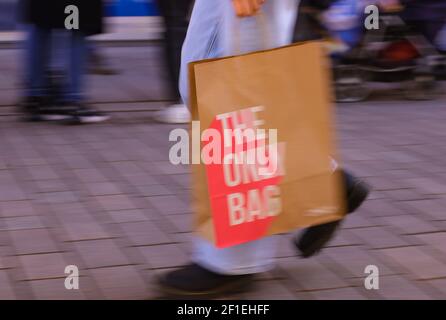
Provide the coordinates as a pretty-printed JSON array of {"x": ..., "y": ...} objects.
[
  {"x": 215, "y": 271},
  {"x": 176, "y": 19},
  {"x": 42, "y": 18}
]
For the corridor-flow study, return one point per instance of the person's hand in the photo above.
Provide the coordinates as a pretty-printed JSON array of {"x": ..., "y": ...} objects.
[
  {"x": 247, "y": 8},
  {"x": 390, "y": 5}
]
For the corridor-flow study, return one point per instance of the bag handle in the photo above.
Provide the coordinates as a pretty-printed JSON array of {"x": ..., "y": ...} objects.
[{"x": 266, "y": 34}]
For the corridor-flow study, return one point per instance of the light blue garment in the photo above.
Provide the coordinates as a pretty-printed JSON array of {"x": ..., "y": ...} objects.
[{"x": 211, "y": 35}]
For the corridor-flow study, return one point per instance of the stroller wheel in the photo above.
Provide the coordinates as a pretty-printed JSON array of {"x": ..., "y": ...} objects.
[
  {"x": 351, "y": 93},
  {"x": 349, "y": 84},
  {"x": 422, "y": 87}
]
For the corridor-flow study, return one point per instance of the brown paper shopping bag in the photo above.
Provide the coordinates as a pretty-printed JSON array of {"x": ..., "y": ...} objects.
[{"x": 286, "y": 93}]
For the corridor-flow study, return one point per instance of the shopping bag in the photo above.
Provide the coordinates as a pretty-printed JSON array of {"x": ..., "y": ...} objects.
[{"x": 272, "y": 106}]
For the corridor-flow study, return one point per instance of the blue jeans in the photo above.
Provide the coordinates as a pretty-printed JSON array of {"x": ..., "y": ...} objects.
[
  {"x": 39, "y": 57},
  {"x": 211, "y": 35}
]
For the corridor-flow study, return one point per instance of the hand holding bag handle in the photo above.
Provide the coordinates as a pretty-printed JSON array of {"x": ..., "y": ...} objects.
[{"x": 265, "y": 32}]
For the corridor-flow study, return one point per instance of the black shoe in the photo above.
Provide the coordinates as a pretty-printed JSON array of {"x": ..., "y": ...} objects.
[
  {"x": 41, "y": 109},
  {"x": 315, "y": 238},
  {"x": 52, "y": 113},
  {"x": 83, "y": 114},
  {"x": 194, "y": 281},
  {"x": 30, "y": 108}
]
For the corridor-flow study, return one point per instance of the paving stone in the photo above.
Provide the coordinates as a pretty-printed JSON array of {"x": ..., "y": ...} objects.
[
  {"x": 123, "y": 282},
  {"x": 90, "y": 175},
  {"x": 398, "y": 288},
  {"x": 102, "y": 189},
  {"x": 88, "y": 230},
  {"x": 169, "y": 205},
  {"x": 164, "y": 256},
  {"x": 116, "y": 202},
  {"x": 440, "y": 285},
  {"x": 6, "y": 288},
  {"x": 33, "y": 242},
  {"x": 435, "y": 240},
  {"x": 54, "y": 289},
  {"x": 182, "y": 222},
  {"x": 338, "y": 294},
  {"x": 123, "y": 216},
  {"x": 311, "y": 275},
  {"x": 51, "y": 186},
  {"x": 16, "y": 208},
  {"x": 359, "y": 220},
  {"x": 433, "y": 208},
  {"x": 154, "y": 190},
  {"x": 417, "y": 262},
  {"x": 270, "y": 290},
  {"x": 22, "y": 223},
  {"x": 144, "y": 233},
  {"x": 354, "y": 260},
  {"x": 101, "y": 253},
  {"x": 43, "y": 266},
  {"x": 42, "y": 173},
  {"x": 408, "y": 224},
  {"x": 57, "y": 197},
  {"x": 428, "y": 185},
  {"x": 379, "y": 208},
  {"x": 379, "y": 237}
]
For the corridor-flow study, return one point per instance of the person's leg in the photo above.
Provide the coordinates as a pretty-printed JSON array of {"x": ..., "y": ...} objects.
[
  {"x": 209, "y": 36},
  {"x": 176, "y": 19},
  {"x": 75, "y": 91},
  {"x": 37, "y": 59},
  {"x": 215, "y": 271},
  {"x": 212, "y": 26},
  {"x": 37, "y": 56},
  {"x": 441, "y": 40},
  {"x": 77, "y": 67}
]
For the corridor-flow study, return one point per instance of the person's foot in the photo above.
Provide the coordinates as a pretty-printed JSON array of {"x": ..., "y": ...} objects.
[
  {"x": 30, "y": 108},
  {"x": 194, "y": 281},
  {"x": 40, "y": 109},
  {"x": 175, "y": 114},
  {"x": 314, "y": 238},
  {"x": 83, "y": 114}
]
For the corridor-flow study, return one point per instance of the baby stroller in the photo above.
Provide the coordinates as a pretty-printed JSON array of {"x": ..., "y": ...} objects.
[{"x": 394, "y": 53}]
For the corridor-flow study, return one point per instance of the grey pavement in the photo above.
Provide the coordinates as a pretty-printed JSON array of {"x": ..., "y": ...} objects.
[{"x": 106, "y": 199}]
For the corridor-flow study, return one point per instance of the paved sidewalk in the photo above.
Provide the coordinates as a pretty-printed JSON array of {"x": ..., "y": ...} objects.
[{"x": 106, "y": 198}]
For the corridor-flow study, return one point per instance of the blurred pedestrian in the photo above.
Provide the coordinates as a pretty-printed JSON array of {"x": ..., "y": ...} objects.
[
  {"x": 426, "y": 16},
  {"x": 215, "y": 271},
  {"x": 176, "y": 19},
  {"x": 42, "y": 17},
  {"x": 98, "y": 63}
]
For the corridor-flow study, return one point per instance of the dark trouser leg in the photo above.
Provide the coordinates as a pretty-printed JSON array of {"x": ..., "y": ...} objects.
[
  {"x": 429, "y": 29},
  {"x": 176, "y": 17},
  {"x": 37, "y": 60},
  {"x": 77, "y": 65}
]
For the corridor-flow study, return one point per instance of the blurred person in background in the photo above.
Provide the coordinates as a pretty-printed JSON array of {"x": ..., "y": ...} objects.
[
  {"x": 211, "y": 34},
  {"x": 42, "y": 18},
  {"x": 176, "y": 19},
  {"x": 426, "y": 16},
  {"x": 97, "y": 61}
]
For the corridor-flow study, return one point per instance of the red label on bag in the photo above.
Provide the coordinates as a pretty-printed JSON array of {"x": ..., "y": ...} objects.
[{"x": 244, "y": 166}]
